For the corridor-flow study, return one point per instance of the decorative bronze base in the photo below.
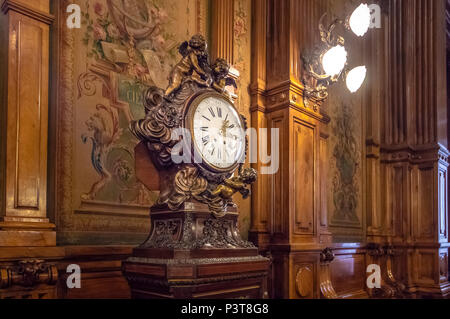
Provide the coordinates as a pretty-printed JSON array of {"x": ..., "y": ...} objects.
[{"x": 190, "y": 254}]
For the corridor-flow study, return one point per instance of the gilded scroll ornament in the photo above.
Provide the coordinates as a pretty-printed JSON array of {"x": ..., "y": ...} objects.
[
  {"x": 188, "y": 184},
  {"x": 28, "y": 273},
  {"x": 315, "y": 81}
]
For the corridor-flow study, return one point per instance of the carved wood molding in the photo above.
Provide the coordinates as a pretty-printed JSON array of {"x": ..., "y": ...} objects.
[
  {"x": 414, "y": 155},
  {"x": 27, "y": 11},
  {"x": 375, "y": 250},
  {"x": 148, "y": 281},
  {"x": 326, "y": 286},
  {"x": 327, "y": 255},
  {"x": 304, "y": 282},
  {"x": 381, "y": 255},
  {"x": 28, "y": 273},
  {"x": 184, "y": 232},
  {"x": 290, "y": 94}
]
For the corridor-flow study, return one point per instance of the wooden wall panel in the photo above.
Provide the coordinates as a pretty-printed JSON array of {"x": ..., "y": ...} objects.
[
  {"x": 427, "y": 267},
  {"x": 27, "y": 117},
  {"x": 443, "y": 190},
  {"x": 398, "y": 212},
  {"x": 303, "y": 177},
  {"x": 101, "y": 275},
  {"x": 278, "y": 190},
  {"x": 30, "y": 116},
  {"x": 25, "y": 79},
  {"x": 426, "y": 220},
  {"x": 348, "y": 274}
]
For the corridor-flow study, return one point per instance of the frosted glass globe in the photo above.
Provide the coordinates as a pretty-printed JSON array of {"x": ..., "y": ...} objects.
[
  {"x": 360, "y": 20},
  {"x": 334, "y": 60},
  {"x": 355, "y": 78}
]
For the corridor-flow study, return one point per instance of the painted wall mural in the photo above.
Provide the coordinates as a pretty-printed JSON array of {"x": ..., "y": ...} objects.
[
  {"x": 346, "y": 149},
  {"x": 131, "y": 35},
  {"x": 112, "y": 153},
  {"x": 130, "y": 38},
  {"x": 123, "y": 47},
  {"x": 347, "y": 157},
  {"x": 346, "y": 171}
]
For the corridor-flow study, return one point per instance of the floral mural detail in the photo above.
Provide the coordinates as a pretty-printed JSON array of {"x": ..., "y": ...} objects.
[
  {"x": 346, "y": 155},
  {"x": 240, "y": 23},
  {"x": 130, "y": 35},
  {"x": 240, "y": 36}
]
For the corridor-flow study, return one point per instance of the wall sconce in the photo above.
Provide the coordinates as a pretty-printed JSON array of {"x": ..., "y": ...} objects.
[
  {"x": 359, "y": 21},
  {"x": 327, "y": 63},
  {"x": 355, "y": 78}
]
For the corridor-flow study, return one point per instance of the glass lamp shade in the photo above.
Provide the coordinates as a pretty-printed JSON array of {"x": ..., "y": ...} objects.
[
  {"x": 355, "y": 78},
  {"x": 334, "y": 60},
  {"x": 360, "y": 20}
]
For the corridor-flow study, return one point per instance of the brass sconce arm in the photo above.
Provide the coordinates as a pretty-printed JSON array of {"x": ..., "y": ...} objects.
[{"x": 315, "y": 80}]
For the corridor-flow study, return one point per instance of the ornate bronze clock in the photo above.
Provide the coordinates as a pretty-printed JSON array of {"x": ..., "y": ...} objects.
[
  {"x": 217, "y": 132},
  {"x": 196, "y": 140}
]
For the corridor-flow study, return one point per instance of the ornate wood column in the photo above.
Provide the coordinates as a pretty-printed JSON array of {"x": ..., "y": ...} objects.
[
  {"x": 289, "y": 210},
  {"x": 222, "y": 38},
  {"x": 407, "y": 144},
  {"x": 24, "y": 124},
  {"x": 260, "y": 228},
  {"x": 222, "y": 35}
]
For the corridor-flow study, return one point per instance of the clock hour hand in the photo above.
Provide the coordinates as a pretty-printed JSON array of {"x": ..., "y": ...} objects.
[{"x": 223, "y": 130}]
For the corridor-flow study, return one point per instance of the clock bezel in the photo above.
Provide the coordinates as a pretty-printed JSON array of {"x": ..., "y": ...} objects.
[{"x": 190, "y": 108}]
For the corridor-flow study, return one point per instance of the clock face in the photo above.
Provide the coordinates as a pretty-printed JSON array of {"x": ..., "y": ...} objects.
[{"x": 218, "y": 133}]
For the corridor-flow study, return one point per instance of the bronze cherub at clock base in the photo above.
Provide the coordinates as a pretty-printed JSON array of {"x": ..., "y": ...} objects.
[{"x": 194, "y": 249}]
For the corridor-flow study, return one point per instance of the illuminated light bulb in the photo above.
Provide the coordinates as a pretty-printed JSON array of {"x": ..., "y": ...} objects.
[
  {"x": 334, "y": 60},
  {"x": 355, "y": 78},
  {"x": 360, "y": 20}
]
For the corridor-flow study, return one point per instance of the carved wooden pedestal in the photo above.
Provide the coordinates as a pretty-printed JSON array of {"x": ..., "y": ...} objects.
[{"x": 190, "y": 254}]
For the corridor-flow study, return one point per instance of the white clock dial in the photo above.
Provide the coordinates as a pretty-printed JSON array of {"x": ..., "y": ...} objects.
[{"x": 218, "y": 132}]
